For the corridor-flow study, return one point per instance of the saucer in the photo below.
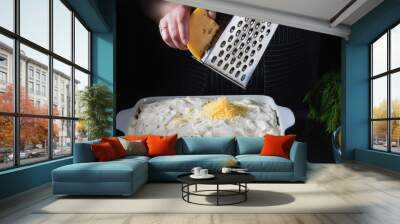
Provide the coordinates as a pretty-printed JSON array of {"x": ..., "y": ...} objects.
[{"x": 208, "y": 176}]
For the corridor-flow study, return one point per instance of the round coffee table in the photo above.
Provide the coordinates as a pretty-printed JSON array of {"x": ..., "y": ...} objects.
[{"x": 238, "y": 179}]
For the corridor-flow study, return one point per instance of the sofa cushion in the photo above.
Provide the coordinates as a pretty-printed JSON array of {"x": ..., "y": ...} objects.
[
  {"x": 185, "y": 163},
  {"x": 83, "y": 152},
  {"x": 103, "y": 152},
  {"x": 206, "y": 145},
  {"x": 112, "y": 171},
  {"x": 257, "y": 163},
  {"x": 249, "y": 145}
]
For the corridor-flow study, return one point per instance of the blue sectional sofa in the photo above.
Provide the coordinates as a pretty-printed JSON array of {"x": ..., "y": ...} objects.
[{"x": 125, "y": 176}]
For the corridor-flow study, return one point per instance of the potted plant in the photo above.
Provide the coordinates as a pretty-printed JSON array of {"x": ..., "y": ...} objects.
[
  {"x": 324, "y": 103},
  {"x": 96, "y": 102}
]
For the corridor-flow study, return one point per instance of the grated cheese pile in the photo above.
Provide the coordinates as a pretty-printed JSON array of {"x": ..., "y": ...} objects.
[{"x": 223, "y": 109}]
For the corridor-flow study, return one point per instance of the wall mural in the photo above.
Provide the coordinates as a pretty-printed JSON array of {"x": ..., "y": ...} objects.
[{"x": 289, "y": 64}]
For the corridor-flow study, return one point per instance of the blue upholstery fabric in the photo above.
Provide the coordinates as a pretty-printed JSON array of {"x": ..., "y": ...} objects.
[
  {"x": 83, "y": 152},
  {"x": 123, "y": 177},
  {"x": 298, "y": 155},
  {"x": 206, "y": 145},
  {"x": 249, "y": 145},
  {"x": 257, "y": 163},
  {"x": 184, "y": 163},
  {"x": 126, "y": 175}
]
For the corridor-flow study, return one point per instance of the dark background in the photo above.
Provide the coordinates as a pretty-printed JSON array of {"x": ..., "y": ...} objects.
[{"x": 293, "y": 62}]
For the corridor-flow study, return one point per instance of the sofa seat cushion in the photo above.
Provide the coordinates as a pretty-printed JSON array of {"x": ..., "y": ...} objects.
[
  {"x": 206, "y": 145},
  {"x": 257, "y": 163},
  {"x": 113, "y": 171},
  {"x": 185, "y": 163}
]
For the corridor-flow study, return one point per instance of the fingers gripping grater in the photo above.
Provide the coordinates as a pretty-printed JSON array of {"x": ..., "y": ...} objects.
[{"x": 238, "y": 50}]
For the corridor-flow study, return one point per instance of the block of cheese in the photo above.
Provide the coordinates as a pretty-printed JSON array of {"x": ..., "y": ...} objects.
[{"x": 202, "y": 30}]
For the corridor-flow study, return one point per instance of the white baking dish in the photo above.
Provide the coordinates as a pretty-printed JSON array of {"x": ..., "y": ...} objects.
[{"x": 285, "y": 115}]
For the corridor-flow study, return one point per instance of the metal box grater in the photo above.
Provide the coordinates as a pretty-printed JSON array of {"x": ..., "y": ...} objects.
[{"x": 239, "y": 48}]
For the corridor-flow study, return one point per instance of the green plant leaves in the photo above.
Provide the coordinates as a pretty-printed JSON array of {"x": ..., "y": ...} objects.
[
  {"x": 324, "y": 101},
  {"x": 97, "y": 104}
]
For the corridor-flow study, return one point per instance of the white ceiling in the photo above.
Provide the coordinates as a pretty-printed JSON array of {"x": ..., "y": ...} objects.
[{"x": 333, "y": 17}]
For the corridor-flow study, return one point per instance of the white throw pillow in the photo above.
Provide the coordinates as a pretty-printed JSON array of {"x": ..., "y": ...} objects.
[{"x": 137, "y": 147}]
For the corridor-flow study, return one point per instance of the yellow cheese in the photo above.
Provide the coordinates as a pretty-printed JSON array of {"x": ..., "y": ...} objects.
[
  {"x": 223, "y": 109},
  {"x": 202, "y": 30}
]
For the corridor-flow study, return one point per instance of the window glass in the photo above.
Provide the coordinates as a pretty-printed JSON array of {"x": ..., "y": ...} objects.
[
  {"x": 33, "y": 140},
  {"x": 62, "y": 28},
  {"x": 62, "y": 138},
  {"x": 379, "y": 56},
  {"x": 6, "y": 142},
  {"x": 395, "y": 136},
  {"x": 81, "y": 131},
  {"x": 379, "y": 98},
  {"x": 81, "y": 82},
  {"x": 379, "y": 135},
  {"x": 7, "y": 14},
  {"x": 39, "y": 62},
  {"x": 62, "y": 91},
  {"x": 395, "y": 47},
  {"x": 6, "y": 74},
  {"x": 34, "y": 21},
  {"x": 395, "y": 95},
  {"x": 81, "y": 45}
]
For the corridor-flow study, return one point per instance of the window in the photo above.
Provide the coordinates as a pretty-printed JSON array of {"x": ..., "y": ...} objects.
[
  {"x": 385, "y": 92},
  {"x": 7, "y": 14},
  {"x": 49, "y": 79},
  {"x": 3, "y": 61},
  {"x": 30, "y": 88}
]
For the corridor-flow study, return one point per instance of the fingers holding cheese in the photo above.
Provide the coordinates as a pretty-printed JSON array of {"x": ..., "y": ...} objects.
[
  {"x": 202, "y": 30},
  {"x": 174, "y": 27}
]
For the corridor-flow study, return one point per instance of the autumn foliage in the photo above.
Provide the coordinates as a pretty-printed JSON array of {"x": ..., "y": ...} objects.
[
  {"x": 380, "y": 127},
  {"x": 33, "y": 131}
]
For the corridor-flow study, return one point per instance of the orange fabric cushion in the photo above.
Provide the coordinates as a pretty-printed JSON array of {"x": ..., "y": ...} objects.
[
  {"x": 277, "y": 145},
  {"x": 161, "y": 145},
  {"x": 103, "y": 152},
  {"x": 135, "y": 137},
  {"x": 116, "y": 145}
]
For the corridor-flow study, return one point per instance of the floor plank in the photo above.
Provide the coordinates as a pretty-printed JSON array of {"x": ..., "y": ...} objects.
[{"x": 376, "y": 189}]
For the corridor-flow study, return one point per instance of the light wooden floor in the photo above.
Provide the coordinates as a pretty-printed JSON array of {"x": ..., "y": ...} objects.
[{"x": 379, "y": 189}]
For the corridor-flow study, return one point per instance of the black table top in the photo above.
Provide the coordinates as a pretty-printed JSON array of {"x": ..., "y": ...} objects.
[{"x": 220, "y": 178}]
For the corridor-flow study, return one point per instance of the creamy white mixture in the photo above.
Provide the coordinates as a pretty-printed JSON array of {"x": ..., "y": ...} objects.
[{"x": 184, "y": 116}]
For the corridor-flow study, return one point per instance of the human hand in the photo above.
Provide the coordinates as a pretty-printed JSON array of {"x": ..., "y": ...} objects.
[{"x": 174, "y": 26}]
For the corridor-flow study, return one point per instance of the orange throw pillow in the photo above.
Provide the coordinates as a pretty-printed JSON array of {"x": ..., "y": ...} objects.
[
  {"x": 116, "y": 145},
  {"x": 135, "y": 137},
  {"x": 161, "y": 145},
  {"x": 277, "y": 145},
  {"x": 103, "y": 152}
]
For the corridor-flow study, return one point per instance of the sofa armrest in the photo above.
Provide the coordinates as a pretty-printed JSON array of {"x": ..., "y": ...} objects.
[
  {"x": 83, "y": 152},
  {"x": 298, "y": 155}
]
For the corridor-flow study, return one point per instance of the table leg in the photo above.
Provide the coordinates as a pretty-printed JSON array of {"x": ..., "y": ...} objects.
[
  {"x": 196, "y": 187},
  {"x": 245, "y": 193},
  {"x": 217, "y": 194}
]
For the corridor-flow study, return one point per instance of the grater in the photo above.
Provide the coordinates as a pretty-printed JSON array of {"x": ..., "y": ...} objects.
[{"x": 239, "y": 48}]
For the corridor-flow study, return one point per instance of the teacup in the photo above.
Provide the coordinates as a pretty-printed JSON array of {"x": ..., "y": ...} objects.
[
  {"x": 203, "y": 172},
  {"x": 196, "y": 171}
]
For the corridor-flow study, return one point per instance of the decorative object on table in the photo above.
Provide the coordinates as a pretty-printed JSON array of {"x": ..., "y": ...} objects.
[
  {"x": 240, "y": 180},
  {"x": 96, "y": 102},
  {"x": 230, "y": 170},
  {"x": 200, "y": 173},
  {"x": 324, "y": 103}
]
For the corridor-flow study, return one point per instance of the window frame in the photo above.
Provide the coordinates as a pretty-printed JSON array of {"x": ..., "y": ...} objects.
[
  {"x": 16, "y": 114},
  {"x": 388, "y": 74}
]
